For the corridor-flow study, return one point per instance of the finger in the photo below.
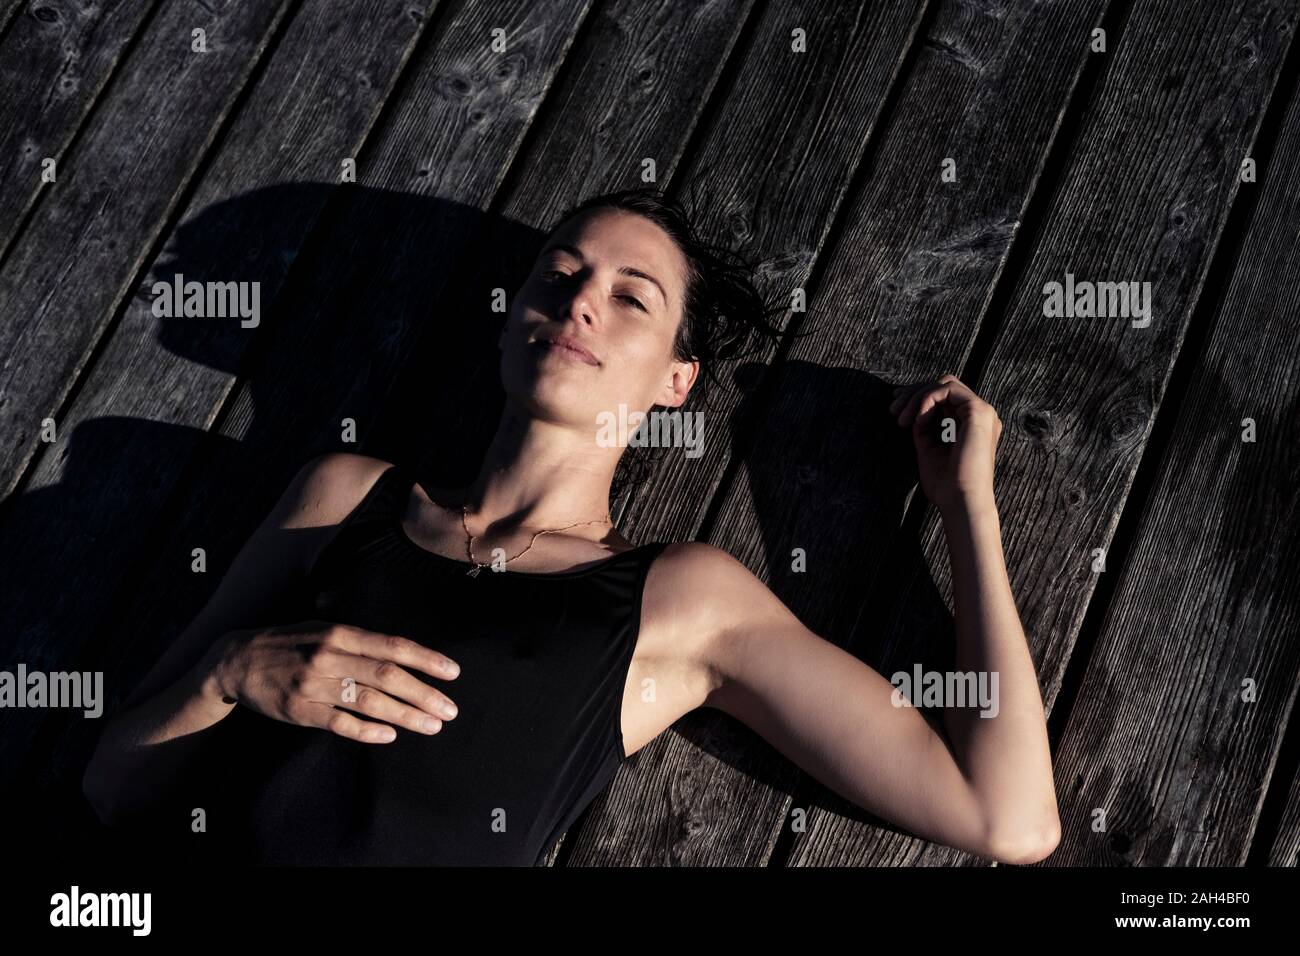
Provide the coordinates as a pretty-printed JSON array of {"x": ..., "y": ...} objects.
[
  {"x": 952, "y": 392},
  {"x": 906, "y": 393},
  {"x": 930, "y": 403},
  {"x": 913, "y": 405},
  {"x": 390, "y": 647},
  {"x": 903, "y": 393},
  {"x": 925, "y": 431},
  {"x": 369, "y": 701},
  {"x": 389, "y": 677},
  {"x": 340, "y": 722}
]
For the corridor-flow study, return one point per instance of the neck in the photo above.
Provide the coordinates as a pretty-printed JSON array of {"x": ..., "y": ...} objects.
[{"x": 541, "y": 475}]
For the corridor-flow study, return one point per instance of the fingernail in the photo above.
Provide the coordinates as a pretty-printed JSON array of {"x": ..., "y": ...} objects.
[
  {"x": 429, "y": 725},
  {"x": 450, "y": 709},
  {"x": 453, "y": 668}
]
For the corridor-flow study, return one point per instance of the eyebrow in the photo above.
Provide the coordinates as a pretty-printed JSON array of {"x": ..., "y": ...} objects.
[{"x": 623, "y": 270}]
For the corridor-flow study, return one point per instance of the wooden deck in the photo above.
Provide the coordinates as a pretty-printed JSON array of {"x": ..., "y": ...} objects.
[{"x": 826, "y": 167}]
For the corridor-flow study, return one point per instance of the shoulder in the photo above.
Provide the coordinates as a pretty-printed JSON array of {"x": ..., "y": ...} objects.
[
  {"x": 689, "y": 560},
  {"x": 702, "y": 570},
  {"x": 326, "y": 489},
  {"x": 710, "y": 601}
]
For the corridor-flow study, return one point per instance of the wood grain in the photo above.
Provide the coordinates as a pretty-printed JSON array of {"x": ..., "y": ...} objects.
[
  {"x": 53, "y": 64},
  {"x": 1181, "y": 713},
  {"x": 1285, "y": 848},
  {"x": 1078, "y": 397},
  {"x": 61, "y": 285}
]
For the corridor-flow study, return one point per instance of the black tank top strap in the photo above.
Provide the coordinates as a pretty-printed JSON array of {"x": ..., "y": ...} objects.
[
  {"x": 387, "y": 497},
  {"x": 382, "y": 504}
]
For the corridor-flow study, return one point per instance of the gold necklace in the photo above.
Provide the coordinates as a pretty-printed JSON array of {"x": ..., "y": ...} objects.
[{"x": 469, "y": 541}]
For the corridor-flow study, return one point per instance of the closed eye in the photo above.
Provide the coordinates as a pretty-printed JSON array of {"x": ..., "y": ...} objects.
[{"x": 556, "y": 275}]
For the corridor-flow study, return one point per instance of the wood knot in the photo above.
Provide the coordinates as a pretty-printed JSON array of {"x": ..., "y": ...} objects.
[
  {"x": 1038, "y": 425},
  {"x": 455, "y": 87},
  {"x": 506, "y": 70},
  {"x": 1073, "y": 496},
  {"x": 1180, "y": 215},
  {"x": 1126, "y": 425},
  {"x": 738, "y": 224}
]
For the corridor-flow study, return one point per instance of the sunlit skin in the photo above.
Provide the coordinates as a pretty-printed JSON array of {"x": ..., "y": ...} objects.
[{"x": 711, "y": 635}]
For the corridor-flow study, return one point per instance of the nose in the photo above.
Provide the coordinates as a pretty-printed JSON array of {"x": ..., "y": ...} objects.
[{"x": 580, "y": 303}]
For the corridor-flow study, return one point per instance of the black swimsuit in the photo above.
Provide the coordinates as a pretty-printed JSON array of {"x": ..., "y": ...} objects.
[{"x": 544, "y": 661}]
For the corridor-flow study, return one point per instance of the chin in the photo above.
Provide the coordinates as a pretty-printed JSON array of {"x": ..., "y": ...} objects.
[{"x": 552, "y": 397}]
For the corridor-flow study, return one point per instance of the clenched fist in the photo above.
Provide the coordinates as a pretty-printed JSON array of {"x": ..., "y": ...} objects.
[{"x": 956, "y": 436}]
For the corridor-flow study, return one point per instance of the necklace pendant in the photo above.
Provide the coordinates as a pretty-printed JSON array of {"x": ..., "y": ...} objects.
[{"x": 473, "y": 572}]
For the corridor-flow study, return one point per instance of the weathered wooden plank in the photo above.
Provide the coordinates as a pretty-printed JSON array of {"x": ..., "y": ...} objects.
[
  {"x": 1181, "y": 714},
  {"x": 8, "y": 12},
  {"x": 61, "y": 284},
  {"x": 1285, "y": 850},
  {"x": 367, "y": 279},
  {"x": 144, "y": 407},
  {"x": 53, "y": 64},
  {"x": 1143, "y": 198}
]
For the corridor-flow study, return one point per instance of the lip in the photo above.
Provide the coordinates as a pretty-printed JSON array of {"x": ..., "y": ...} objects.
[{"x": 568, "y": 346}]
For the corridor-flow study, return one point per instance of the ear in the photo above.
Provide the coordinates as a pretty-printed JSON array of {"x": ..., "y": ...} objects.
[{"x": 678, "y": 386}]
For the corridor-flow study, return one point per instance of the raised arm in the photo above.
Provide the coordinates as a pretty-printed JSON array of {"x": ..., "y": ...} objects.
[{"x": 984, "y": 786}]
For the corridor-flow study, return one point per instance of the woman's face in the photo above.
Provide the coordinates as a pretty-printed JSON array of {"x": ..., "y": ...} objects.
[{"x": 610, "y": 284}]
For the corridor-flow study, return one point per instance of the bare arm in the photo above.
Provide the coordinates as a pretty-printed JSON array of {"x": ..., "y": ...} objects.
[
  {"x": 986, "y": 785},
  {"x": 1007, "y": 757},
  {"x": 157, "y": 731}
]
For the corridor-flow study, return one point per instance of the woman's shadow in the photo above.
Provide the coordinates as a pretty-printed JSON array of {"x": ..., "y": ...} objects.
[{"x": 382, "y": 273}]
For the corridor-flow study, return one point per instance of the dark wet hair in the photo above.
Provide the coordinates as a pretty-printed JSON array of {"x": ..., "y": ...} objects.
[{"x": 724, "y": 314}]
